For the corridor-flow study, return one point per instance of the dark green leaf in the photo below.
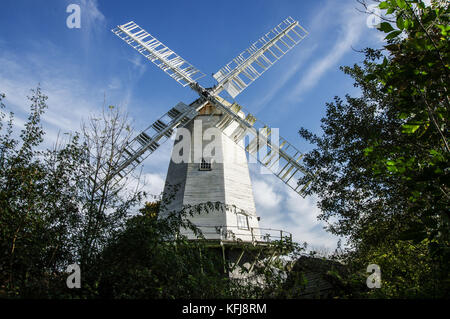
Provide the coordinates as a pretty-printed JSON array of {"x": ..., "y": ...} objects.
[
  {"x": 385, "y": 27},
  {"x": 400, "y": 23},
  {"x": 393, "y": 34}
]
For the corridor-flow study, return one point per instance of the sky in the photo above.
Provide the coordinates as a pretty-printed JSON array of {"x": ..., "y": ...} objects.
[{"x": 83, "y": 69}]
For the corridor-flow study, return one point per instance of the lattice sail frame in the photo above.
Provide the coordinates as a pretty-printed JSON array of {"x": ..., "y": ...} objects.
[
  {"x": 238, "y": 74},
  {"x": 148, "y": 141},
  {"x": 273, "y": 152},
  {"x": 159, "y": 54}
]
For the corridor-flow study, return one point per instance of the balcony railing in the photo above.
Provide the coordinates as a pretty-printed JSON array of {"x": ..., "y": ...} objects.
[{"x": 236, "y": 234}]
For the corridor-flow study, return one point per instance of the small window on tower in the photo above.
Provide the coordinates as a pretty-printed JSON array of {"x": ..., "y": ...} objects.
[
  {"x": 205, "y": 165},
  {"x": 242, "y": 221}
]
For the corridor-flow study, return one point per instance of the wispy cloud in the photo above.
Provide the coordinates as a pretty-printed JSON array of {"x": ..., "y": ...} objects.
[
  {"x": 301, "y": 58},
  {"x": 115, "y": 84},
  {"x": 351, "y": 26},
  {"x": 93, "y": 22},
  {"x": 139, "y": 64},
  {"x": 71, "y": 98},
  {"x": 296, "y": 77},
  {"x": 265, "y": 195}
]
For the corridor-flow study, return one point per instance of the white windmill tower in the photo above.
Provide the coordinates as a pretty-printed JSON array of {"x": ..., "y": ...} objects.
[{"x": 225, "y": 178}]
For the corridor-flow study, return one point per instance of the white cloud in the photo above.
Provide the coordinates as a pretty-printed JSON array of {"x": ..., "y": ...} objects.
[
  {"x": 281, "y": 208},
  {"x": 69, "y": 100},
  {"x": 352, "y": 24},
  {"x": 151, "y": 183},
  {"x": 265, "y": 195},
  {"x": 91, "y": 13},
  {"x": 154, "y": 183},
  {"x": 73, "y": 96}
]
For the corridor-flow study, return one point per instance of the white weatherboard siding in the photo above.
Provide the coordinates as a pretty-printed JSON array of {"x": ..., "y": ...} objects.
[{"x": 228, "y": 182}]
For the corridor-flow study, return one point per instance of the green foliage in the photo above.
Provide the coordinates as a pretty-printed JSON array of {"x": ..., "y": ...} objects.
[
  {"x": 383, "y": 159},
  {"x": 150, "y": 258},
  {"x": 38, "y": 205},
  {"x": 49, "y": 215},
  {"x": 145, "y": 260},
  {"x": 417, "y": 79}
]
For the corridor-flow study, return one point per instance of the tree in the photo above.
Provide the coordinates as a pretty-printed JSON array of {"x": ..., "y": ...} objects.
[
  {"x": 38, "y": 204},
  {"x": 50, "y": 211},
  {"x": 417, "y": 77},
  {"x": 382, "y": 161},
  {"x": 105, "y": 203}
]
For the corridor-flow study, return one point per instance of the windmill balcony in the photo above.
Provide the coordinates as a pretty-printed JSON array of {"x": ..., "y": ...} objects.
[{"x": 237, "y": 234}]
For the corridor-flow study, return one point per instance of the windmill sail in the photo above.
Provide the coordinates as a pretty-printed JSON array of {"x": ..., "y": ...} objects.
[
  {"x": 259, "y": 57},
  {"x": 146, "y": 142},
  {"x": 151, "y": 48},
  {"x": 281, "y": 157}
]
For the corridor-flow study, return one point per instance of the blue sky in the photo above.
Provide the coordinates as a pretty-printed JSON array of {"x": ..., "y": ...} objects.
[{"x": 79, "y": 68}]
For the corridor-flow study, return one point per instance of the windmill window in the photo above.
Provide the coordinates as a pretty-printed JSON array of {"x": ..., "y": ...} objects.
[
  {"x": 242, "y": 221},
  {"x": 205, "y": 165}
]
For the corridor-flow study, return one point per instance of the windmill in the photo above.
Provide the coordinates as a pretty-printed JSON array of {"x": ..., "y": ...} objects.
[{"x": 223, "y": 180}]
